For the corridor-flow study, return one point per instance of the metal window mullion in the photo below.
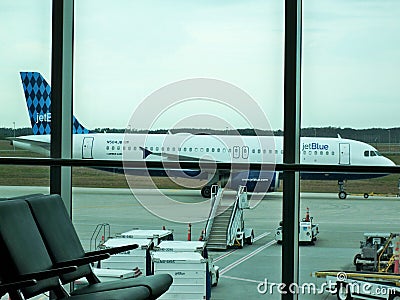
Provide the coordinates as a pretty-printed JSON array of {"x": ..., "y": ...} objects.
[
  {"x": 61, "y": 96},
  {"x": 291, "y": 145}
]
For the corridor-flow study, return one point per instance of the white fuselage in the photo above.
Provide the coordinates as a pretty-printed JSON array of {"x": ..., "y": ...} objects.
[
  {"x": 226, "y": 149},
  {"x": 264, "y": 149}
]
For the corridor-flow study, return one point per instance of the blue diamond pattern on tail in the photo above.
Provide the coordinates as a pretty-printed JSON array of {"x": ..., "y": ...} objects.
[{"x": 38, "y": 100}]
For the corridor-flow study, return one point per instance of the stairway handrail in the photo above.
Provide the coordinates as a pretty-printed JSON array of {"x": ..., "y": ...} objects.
[
  {"x": 231, "y": 234},
  {"x": 216, "y": 195}
]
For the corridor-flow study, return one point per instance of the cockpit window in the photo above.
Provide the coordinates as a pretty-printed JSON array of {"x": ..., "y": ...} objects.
[{"x": 371, "y": 153}]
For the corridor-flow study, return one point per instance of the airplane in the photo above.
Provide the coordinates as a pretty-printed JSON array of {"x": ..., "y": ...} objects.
[{"x": 196, "y": 148}]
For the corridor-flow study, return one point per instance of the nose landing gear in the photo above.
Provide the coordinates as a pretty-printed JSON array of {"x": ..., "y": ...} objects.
[{"x": 342, "y": 193}]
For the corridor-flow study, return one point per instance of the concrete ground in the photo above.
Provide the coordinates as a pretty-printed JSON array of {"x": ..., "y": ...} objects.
[{"x": 244, "y": 272}]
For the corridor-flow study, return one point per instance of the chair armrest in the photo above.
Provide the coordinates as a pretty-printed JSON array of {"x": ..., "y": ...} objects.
[
  {"x": 83, "y": 260},
  {"x": 5, "y": 287},
  {"x": 44, "y": 274},
  {"x": 114, "y": 250}
]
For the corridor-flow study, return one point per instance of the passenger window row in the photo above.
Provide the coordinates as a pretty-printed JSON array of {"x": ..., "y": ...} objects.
[
  {"x": 318, "y": 153},
  {"x": 190, "y": 149},
  {"x": 367, "y": 153}
]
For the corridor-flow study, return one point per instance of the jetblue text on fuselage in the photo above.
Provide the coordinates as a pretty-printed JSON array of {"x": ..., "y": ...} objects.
[
  {"x": 315, "y": 146},
  {"x": 43, "y": 117}
]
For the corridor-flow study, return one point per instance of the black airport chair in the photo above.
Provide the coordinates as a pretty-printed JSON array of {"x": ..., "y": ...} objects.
[
  {"x": 13, "y": 287},
  {"x": 63, "y": 244},
  {"x": 23, "y": 256}
]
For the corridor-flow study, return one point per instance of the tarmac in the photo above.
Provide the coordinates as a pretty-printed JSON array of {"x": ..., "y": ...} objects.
[{"x": 254, "y": 271}]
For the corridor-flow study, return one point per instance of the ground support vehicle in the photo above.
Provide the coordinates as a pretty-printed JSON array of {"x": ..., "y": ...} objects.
[
  {"x": 192, "y": 246},
  {"x": 225, "y": 225},
  {"x": 155, "y": 235},
  {"x": 128, "y": 264},
  {"x": 308, "y": 230},
  {"x": 361, "y": 285},
  {"x": 377, "y": 252},
  {"x": 133, "y": 260},
  {"x": 131, "y": 263},
  {"x": 191, "y": 280}
]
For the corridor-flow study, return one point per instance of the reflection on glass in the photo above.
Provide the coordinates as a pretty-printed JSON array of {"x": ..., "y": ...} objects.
[
  {"x": 27, "y": 47},
  {"x": 240, "y": 43},
  {"x": 350, "y": 58},
  {"x": 126, "y": 52}
]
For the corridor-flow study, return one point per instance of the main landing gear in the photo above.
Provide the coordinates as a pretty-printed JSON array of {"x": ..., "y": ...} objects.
[
  {"x": 342, "y": 193},
  {"x": 206, "y": 191}
]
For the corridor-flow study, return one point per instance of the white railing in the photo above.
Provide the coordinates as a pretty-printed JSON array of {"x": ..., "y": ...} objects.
[
  {"x": 216, "y": 195},
  {"x": 236, "y": 220}
]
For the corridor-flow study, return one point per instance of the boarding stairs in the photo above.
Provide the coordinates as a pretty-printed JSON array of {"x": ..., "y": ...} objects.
[
  {"x": 99, "y": 236},
  {"x": 225, "y": 224}
]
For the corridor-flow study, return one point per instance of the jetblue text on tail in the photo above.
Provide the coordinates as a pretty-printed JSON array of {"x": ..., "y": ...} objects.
[{"x": 38, "y": 100}]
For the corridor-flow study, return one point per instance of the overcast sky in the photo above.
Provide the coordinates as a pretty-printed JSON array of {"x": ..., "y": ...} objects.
[{"x": 125, "y": 50}]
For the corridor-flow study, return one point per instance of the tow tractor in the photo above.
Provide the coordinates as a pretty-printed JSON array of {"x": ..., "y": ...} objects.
[
  {"x": 308, "y": 230},
  {"x": 347, "y": 285},
  {"x": 377, "y": 252}
]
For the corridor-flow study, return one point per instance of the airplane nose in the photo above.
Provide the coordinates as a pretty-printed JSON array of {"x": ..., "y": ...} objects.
[{"x": 389, "y": 162}]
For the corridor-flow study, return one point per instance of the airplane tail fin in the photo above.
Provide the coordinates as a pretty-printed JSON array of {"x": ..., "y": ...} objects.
[{"x": 38, "y": 100}]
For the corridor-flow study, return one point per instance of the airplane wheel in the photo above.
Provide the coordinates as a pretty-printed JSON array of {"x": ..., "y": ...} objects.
[
  {"x": 216, "y": 279},
  {"x": 356, "y": 258},
  {"x": 366, "y": 195},
  {"x": 250, "y": 239},
  {"x": 342, "y": 195},
  {"x": 206, "y": 191}
]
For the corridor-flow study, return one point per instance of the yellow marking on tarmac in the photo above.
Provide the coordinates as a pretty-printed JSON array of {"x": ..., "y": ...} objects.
[{"x": 350, "y": 274}]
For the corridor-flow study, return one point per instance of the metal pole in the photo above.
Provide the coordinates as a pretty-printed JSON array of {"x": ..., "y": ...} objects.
[
  {"x": 61, "y": 96},
  {"x": 14, "y": 136},
  {"x": 291, "y": 147}
]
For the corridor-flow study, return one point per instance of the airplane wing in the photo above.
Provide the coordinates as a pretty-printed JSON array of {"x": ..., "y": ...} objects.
[
  {"x": 35, "y": 144},
  {"x": 38, "y": 143}
]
